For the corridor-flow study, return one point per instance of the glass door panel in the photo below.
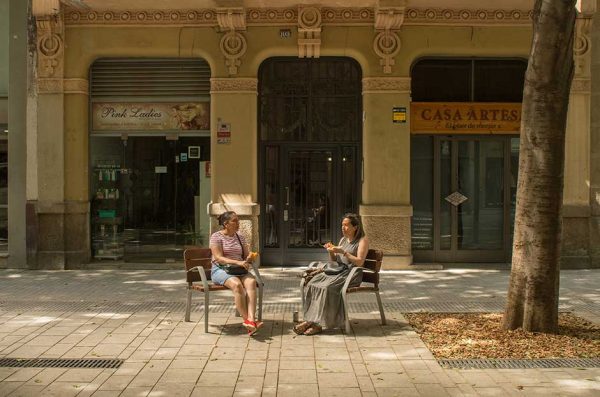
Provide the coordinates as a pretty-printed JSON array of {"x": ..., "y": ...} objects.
[
  {"x": 308, "y": 198},
  {"x": 445, "y": 217},
  {"x": 480, "y": 179}
]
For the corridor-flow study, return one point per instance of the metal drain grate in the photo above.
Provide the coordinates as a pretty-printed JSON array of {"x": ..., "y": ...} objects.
[
  {"x": 483, "y": 363},
  {"x": 60, "y": 362}
]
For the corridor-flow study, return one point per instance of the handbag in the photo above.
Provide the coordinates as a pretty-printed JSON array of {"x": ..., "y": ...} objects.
[
  {"x": 235, "y": 270},
  {"x": 334, "y": 268}
]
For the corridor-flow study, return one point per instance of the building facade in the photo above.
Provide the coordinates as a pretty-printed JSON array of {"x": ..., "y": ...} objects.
[{"x": 149, "y": 119}]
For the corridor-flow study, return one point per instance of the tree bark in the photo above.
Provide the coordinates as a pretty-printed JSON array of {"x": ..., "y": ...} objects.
[{"x": 534, "y": 281}]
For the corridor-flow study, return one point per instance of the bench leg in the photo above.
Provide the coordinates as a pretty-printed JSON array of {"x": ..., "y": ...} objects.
[
  {"x": 347, "y": 322},
  {"x": 383, "y": 322},
  {"x": 188, "y": 305},
  {"x": 206, "y": 312},
  {"x": 260, "y": 301}
]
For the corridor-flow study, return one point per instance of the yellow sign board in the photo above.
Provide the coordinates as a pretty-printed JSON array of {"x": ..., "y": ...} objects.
[{"x": 465, "y": 118}]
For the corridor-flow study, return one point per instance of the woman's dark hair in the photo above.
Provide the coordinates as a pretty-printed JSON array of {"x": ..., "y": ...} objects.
[
  {"x": 225, "y": 217},
  {"x": 355, "y": 221}
]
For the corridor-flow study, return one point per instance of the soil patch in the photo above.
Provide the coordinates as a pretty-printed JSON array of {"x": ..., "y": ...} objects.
[{"x": 479, "y": 335}]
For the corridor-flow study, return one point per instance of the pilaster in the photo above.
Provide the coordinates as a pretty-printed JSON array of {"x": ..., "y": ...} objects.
[
  {"x": 234, "y": 157},
  {"x": 576, "y": 196},
  {"x": 385, "y": 208}
]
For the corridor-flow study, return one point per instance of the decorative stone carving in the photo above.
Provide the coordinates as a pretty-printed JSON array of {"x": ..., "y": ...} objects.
[
  {"x": 50, "y": 47},
  {"x": 233, "y": 44},
  {"x": 387, "y": 43},
  {"x": 50, "y": 86},
  {"x": 290, "y": 17},
  {"x": 470, "y": 17},
  {"x": 581, "y": 47},
  {"x": 239, "y": 85},
  {"x": 581, "y": 86},
  {"x": 309, "y": 32},
  {"x": 387, "y": 85}
]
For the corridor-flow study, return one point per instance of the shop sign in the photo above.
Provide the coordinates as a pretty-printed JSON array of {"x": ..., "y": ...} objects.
[
  {"x": 224, "y": 133},
  {"x": 170, "y": 116},
  {"x": 399, "y": 115},
  {"x": 465, "y": 117}
]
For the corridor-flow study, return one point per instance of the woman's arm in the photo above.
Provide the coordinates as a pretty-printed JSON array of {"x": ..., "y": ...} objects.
[
  {"x": 361, "y": 253},
  {"x": 217, "y": 253}
]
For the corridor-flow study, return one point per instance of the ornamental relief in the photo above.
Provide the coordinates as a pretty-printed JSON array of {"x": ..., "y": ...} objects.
[
  {"x": 50, "y": 46},
  {"x": 394, "y": 85},
  {"x": 289, "y": 17},
  {"x": 309, "y": 32},
  {"x": 581, "y": 86},
  {"x": 581, "y": 47},
  {"x": 234, "y": 85}
]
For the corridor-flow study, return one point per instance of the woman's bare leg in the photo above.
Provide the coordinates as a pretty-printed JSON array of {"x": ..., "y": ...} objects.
[
  {"x": 250, "y": 286},
  {"x": 239, "y": 296}
]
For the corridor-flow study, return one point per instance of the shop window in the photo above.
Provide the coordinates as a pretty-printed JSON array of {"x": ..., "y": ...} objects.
[{"x": 3, "y": 188}]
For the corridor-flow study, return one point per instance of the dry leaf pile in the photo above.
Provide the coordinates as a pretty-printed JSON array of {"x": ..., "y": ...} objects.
[{"x": 479, "y": 335}]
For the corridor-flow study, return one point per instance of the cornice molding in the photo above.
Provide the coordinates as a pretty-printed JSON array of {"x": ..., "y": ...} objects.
[
  {"x": 234, "y": 85},
  {"x": 386, "y": 85},
  {"x": 76, "y": 86},
  {"x": 289, "y": 17}
]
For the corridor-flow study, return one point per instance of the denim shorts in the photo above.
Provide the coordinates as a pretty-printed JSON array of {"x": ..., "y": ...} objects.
[{"x": 219, "y": 276}]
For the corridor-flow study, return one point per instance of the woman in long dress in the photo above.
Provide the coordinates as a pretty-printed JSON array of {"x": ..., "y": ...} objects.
[{"x": 323, "y": 304}]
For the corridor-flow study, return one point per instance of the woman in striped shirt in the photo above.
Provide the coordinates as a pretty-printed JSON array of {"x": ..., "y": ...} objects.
[{"x": 228, "y": 247}]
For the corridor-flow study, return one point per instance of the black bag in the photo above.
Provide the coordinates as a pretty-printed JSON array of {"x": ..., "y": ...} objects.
[
  {"x": 334, "y": 268},
  {"x": 234, "y": 270}
]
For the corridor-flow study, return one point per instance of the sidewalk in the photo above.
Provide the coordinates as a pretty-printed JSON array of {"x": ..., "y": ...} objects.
[{"x": 137, "y": 316}]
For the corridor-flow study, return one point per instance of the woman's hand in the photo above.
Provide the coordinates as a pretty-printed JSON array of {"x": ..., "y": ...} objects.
[
  {"x": 252, "y": 256},
  {"x": 336, "y": 250}
]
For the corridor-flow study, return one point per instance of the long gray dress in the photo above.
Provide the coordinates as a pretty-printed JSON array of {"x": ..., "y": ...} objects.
[{"x": 323, "y": 294}]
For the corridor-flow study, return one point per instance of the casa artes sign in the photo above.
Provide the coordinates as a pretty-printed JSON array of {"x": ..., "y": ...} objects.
[
  {"x": 465, "y": 117},
  {"x": 163, "y": 116}
]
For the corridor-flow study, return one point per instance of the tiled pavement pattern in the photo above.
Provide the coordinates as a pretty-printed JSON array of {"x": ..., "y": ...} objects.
[{"x": 168, "y": 357}]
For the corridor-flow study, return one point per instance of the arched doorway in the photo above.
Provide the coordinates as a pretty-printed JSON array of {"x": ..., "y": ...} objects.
[{"x": 310, "y": 154}]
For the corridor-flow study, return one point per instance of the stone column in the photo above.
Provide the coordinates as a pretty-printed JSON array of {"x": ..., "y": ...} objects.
[
  {"x": 576, "y": 199},
  {"x": 594, "y": 145},
  {"x": 385, "y": 207},
  {"x": 234, "y": 159},
  {"x": 19, "y": 64}
]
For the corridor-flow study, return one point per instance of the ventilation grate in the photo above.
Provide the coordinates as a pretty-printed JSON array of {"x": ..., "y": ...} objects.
[
  {"x": 60, "y": 362},
  {"x": 484, "y": 363}
]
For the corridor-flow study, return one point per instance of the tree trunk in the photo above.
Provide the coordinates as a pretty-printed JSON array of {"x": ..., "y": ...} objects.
[{"x": 533, "y": 291}]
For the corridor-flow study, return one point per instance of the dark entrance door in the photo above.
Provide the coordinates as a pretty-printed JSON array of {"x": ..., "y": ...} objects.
[
  {"x": 306, "y": 194},
  {"x": 310, "y": 130}
]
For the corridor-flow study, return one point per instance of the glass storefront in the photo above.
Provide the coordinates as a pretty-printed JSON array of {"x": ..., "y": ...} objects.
[
  {"x": 3, "y": 188},
  {"x": 463, "y": 183},
  {"x": 149, "y": 196}
]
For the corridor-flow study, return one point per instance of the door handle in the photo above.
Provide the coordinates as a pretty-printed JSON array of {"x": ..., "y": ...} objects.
[{"x": 287, "y": 195}]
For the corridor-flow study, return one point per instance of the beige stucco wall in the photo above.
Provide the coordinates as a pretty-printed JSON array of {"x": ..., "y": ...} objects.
[{"x": 386, "y": 146}]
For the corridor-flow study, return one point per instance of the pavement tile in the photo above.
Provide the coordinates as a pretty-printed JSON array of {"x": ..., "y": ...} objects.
[
  {"x": 297, "y": 376},
  {"x": 249, "y": 384},
  {"x": 223, "y": 366},
  {"x": 334, "y": 366},
  {"x": 171, "y": 390},
  {"x": 390, "y": 379},
  {"x": 365, "y": 383},
  {"x": 63, "y": 389},
  {"x": 136, "y": 391},
  {"x": 27, "y": 391},
  {"x": 175, "y": 375},
  {"x": 335, "y": 353},
  {"x": 337, "y": 379},
  {"x": 339, "y": 392},
  {"x": 203, "y": 391},
  {"x": 46, "y": 376},
  {"x": 296, "y": 390},
  {"x": 253, "y": 368},
  {"x": 212, "y": 379},
  {"x": 270, "y": 380},
  {"x": 117, "y": 382},
  {"x": 398, "y": 392},
  {"x": 23, "y": 375}
]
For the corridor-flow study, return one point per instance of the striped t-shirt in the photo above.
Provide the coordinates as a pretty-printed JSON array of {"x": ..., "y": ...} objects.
[{"x": 229, "y": 245}]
